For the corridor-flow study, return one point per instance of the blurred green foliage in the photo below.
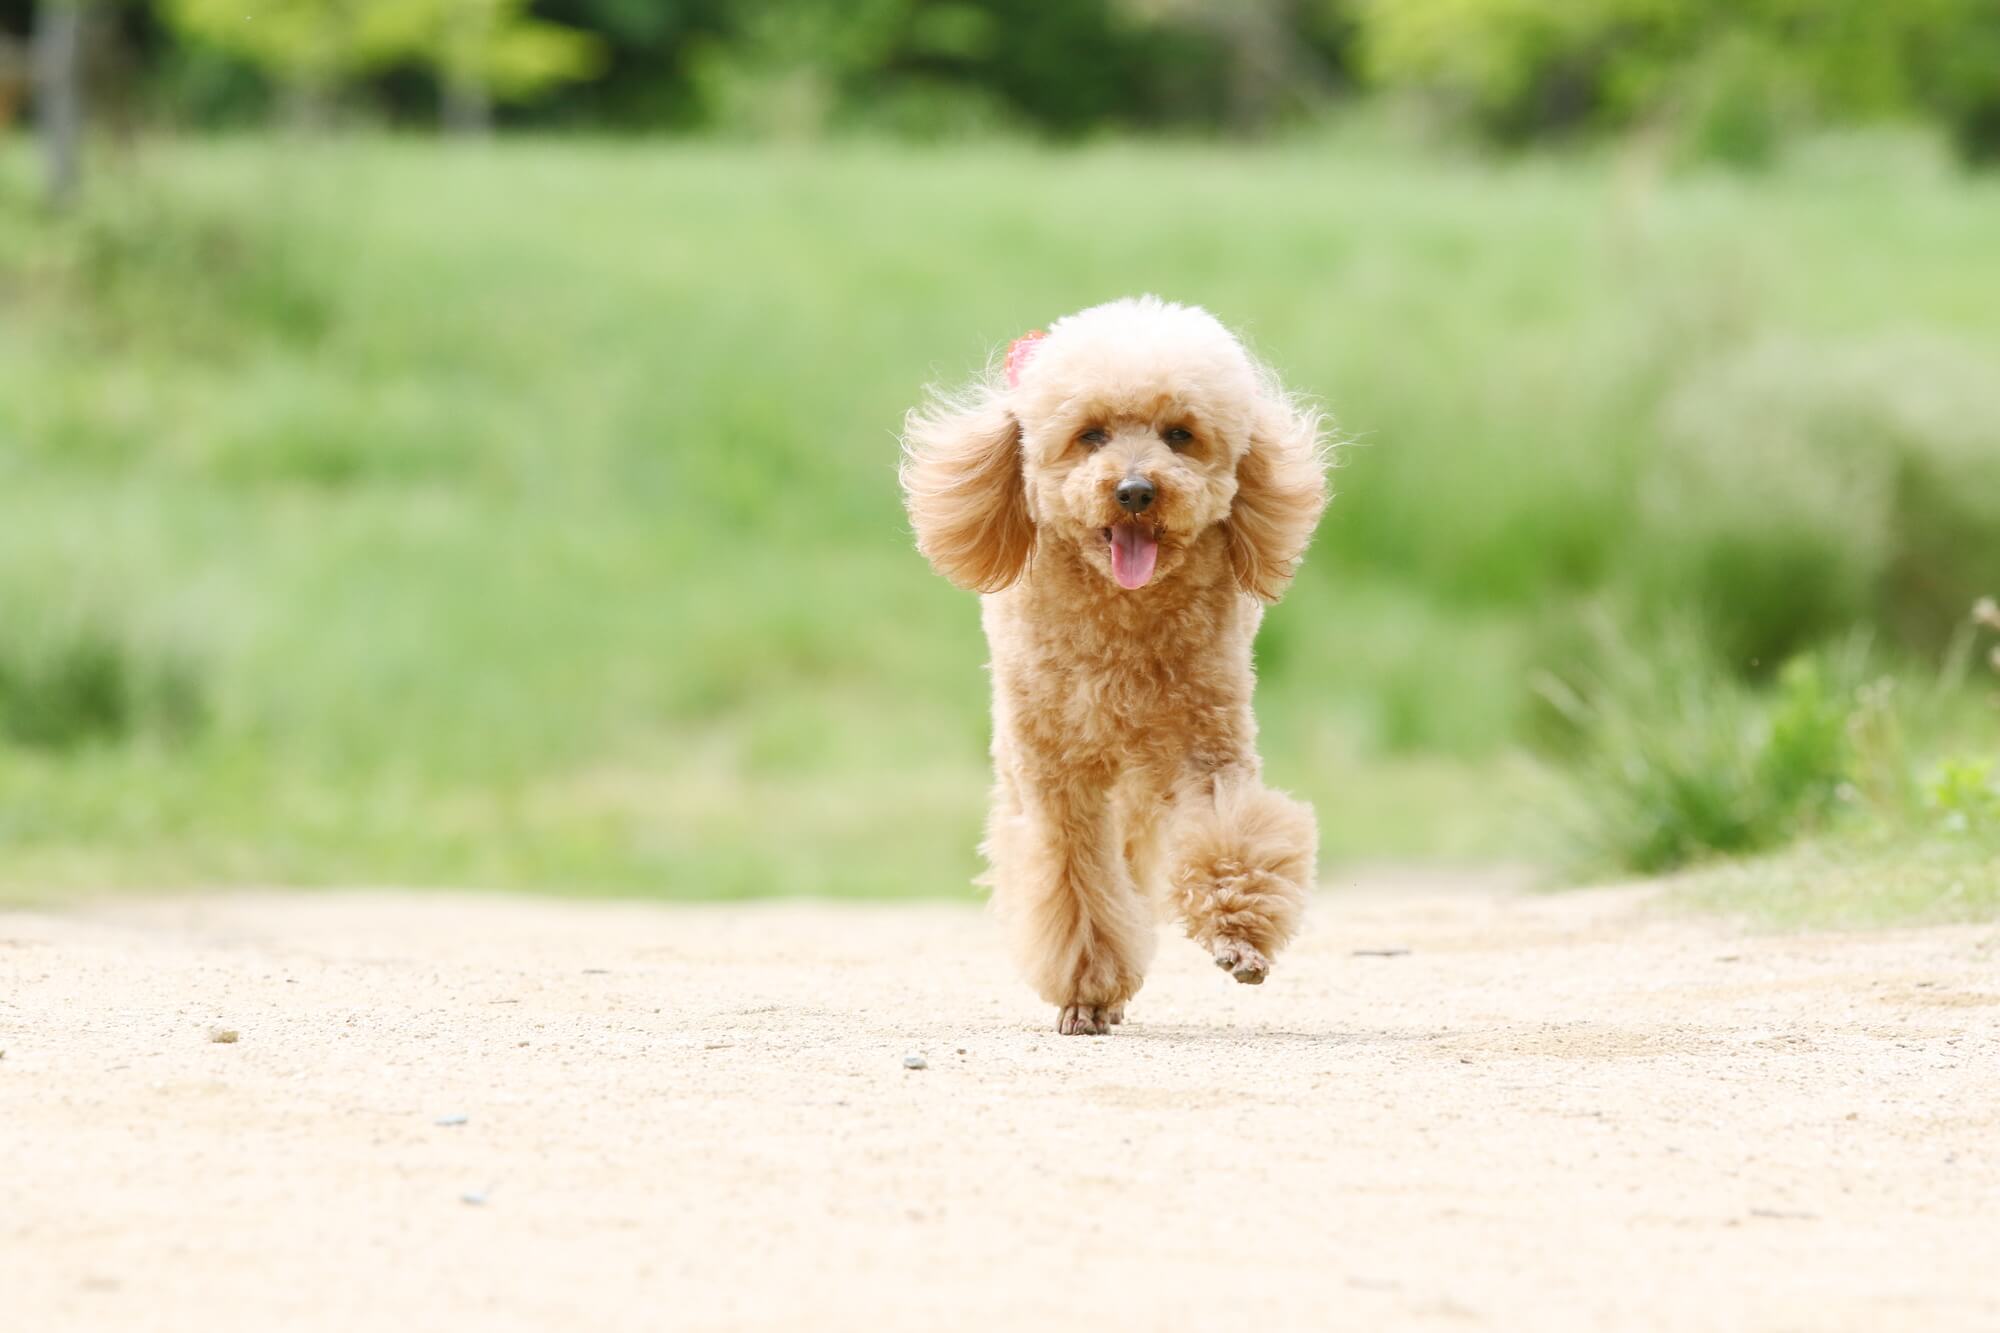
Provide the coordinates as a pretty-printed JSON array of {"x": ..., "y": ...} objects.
[
  {"x": 1730, "y": 80},
  {"x": 926, "y": 70},
  {"x": 72, "y": 683},
  {"x": 1965, "y": 792},
  {"x": 1683, "y": 761},
  {"x": 311, "y": 47},
  {"x": 1806, "y": 488},
  {"x": 377, "y": 511}
]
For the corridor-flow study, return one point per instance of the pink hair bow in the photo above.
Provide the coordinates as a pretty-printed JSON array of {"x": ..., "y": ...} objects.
[{"x": 1020, "y": 352}]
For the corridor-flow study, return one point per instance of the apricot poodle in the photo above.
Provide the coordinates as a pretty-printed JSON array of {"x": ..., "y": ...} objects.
[{"x": 1127, "y": 492}]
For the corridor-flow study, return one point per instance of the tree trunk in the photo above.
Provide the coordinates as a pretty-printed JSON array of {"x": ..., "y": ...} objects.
[
  {"x": 467, "y": 102},
  {"x": 59, "y": 96},
  {"x": 308, "y": 105},
  {"x": 468, "y": 109}
]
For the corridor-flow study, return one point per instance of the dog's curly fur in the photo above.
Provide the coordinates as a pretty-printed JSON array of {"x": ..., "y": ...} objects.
[{"x": 1126, "y": 773}]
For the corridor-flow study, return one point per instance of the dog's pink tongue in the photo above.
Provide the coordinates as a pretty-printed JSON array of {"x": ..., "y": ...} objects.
[{"x": 1133, "y": 551}]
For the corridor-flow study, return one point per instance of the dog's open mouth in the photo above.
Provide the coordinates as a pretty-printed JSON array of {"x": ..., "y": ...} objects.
[{"x": 1134, "y": 549}]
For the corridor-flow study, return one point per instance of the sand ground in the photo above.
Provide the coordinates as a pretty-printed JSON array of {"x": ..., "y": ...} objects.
[{"x": 455, "y": 1111}]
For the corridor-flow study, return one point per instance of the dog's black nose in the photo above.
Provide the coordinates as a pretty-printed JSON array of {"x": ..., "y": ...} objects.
[{"x": 1135, "y": 495}]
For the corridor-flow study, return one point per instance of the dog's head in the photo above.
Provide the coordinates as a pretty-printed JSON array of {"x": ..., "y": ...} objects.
[{"x": 1127, "y": 431}]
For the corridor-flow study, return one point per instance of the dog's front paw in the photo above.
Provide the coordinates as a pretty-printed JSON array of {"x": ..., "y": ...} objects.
[
  {"x": 1242, "y": 961},
  {"x": 1089, "y": 1020}
]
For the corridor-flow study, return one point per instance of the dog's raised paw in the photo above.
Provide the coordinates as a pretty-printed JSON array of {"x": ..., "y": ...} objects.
[
  {"x": 1089, "y": 1020},
  {"x": 1242, "y": 961}
]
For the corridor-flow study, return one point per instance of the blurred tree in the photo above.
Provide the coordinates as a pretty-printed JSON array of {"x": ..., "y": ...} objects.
[
  {"x": 1731, "y": 75},
  {"x": 788, "y": 65},
  {"x": 1078, "y": 66},
  {"x": 1720, "y": 78},
  {"x": 1963, "y": 81},
  {"x": 648, "y": 45},
  {"x": 930, "y": 67},
  {"x": 487, "y": 49},
  {"x": 14, "y": 79},
  {"x": 58, "y": 61},
  {"x": 307, "y": 46},
  {"x": 480, "y": 49},
  {"x": 925, "y": 68},
  {"x": 1281, "y": 52}
]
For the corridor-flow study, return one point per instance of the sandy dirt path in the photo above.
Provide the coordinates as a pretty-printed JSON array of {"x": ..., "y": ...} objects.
[{"x": 1550, "y": 1113}]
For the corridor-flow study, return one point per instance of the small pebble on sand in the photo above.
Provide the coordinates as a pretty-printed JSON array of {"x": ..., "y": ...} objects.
[
  {"x": 915, "y": 1062},
  {"x": 226, "y": 1036}
]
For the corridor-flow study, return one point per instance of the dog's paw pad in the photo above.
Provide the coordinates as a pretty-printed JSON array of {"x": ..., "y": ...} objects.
[
  {"x": 1242, "y": 961},
  {"x": 1089, "y": 1020}
]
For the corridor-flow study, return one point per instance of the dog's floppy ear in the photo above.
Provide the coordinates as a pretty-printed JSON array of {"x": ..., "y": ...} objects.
[
  {"x": 964, "y": 488},
  {"x": 1280, "y": 492}
]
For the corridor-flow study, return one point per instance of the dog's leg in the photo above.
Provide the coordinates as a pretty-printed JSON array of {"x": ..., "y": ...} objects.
[
  {"x": 1240, "y": 863},
  {"x": 1081, "y": 931}
]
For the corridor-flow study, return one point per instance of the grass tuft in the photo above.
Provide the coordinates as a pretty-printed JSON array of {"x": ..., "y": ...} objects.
[
  {"x": 1679, "y": 761},
  {"x": 66, "y": 684}
]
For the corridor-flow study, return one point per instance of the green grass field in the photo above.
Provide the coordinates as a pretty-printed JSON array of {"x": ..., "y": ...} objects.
[{"x": 387, "y": 511}]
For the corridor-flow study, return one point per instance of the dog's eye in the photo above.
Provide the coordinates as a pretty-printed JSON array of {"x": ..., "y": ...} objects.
[
  {"x": 1094, "y": 437},
  {"x": 1177, "y": 436}
]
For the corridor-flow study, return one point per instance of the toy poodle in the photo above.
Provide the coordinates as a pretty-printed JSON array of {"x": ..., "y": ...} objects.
[{"x": 1127, "y": 492}]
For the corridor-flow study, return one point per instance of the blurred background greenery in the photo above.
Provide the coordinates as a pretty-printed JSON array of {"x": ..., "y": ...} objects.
[{"x": 453, "y": 441}]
